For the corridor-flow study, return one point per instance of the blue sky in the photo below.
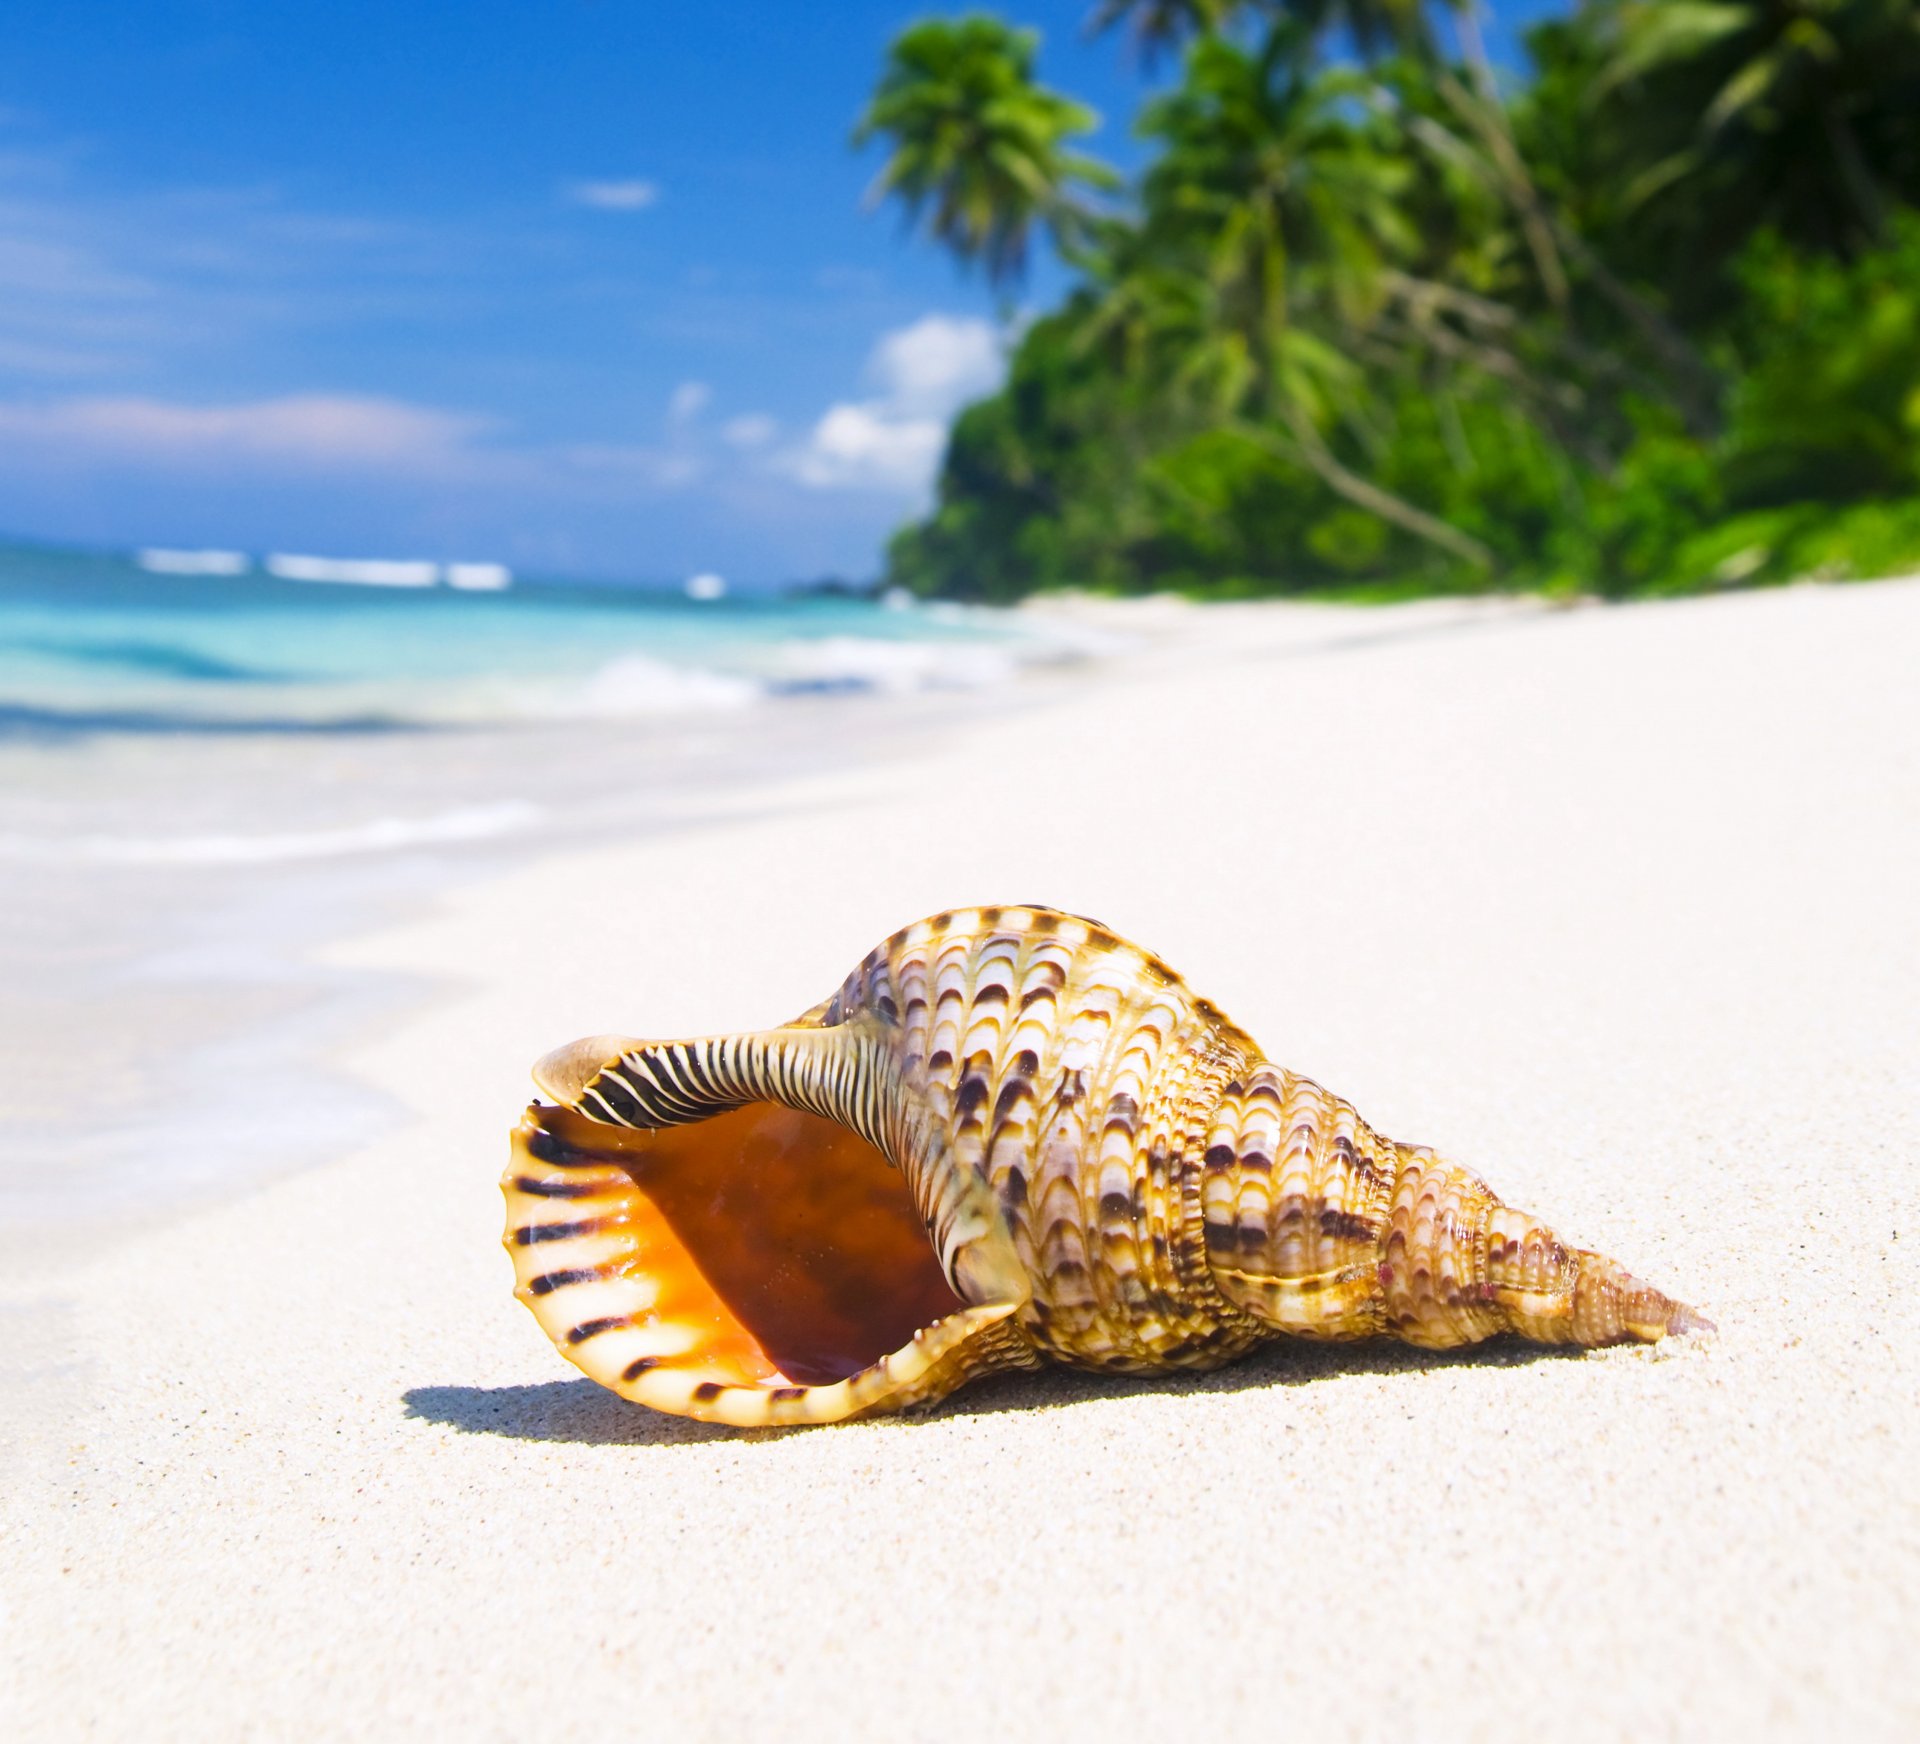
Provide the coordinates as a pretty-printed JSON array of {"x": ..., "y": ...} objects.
[{"x": 585, "y": 287}]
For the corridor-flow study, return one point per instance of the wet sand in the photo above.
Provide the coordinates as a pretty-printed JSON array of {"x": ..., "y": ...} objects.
[{"x": 1620, "y": 907}]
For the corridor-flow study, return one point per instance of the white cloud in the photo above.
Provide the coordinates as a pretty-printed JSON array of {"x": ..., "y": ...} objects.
[
  {"x": 937, "y": 365},
  {"x": 689, "y": 400},
  {"x": 332, "y": 436},
  {"x": 183, "y": 282},
  {"x": 893, "y": 440},
  {"x": 749, "y": 430},
  {"x": 617, "y": 196},
  {"x": 864, "y": 447},
  {"x": 306, "y": 432},
  {"x": 66, "y": 308}
]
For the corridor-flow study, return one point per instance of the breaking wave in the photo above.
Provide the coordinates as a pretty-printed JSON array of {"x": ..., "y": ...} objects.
[{"x": 635, "y": 685}]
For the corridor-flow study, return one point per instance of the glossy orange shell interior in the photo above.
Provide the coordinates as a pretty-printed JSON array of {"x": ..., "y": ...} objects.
[{"x": 782, "y": 1241}]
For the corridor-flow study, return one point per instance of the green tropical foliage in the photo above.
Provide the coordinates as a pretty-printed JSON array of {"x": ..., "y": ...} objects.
[
  {"x": 1799, "y": 115},
  {"x": 1644, "y": 320}
]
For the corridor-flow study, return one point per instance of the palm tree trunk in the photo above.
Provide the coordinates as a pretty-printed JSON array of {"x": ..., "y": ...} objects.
[
  {"x": 1698, "y": 391},
  {"x": 1307, "y": 448},
  {"x": 1853, "y": 169},
  {"x": 1491, "y": 122},
  {"x": 1548, "y": 238}
]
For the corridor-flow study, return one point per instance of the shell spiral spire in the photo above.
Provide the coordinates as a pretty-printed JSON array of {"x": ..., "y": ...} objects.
[{"x": 1010, "y": 1137}]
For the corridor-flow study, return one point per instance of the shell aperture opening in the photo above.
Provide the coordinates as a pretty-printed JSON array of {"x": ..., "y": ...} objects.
[{"x": 761, "y": 1248}]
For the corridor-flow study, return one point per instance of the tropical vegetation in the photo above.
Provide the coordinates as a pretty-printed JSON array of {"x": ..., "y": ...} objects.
[{"x": 1640, "y": 316}]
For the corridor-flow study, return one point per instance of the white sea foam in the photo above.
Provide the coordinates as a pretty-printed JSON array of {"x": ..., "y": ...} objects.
[
  {"x": 479, "y": 577},
  {"x": 159, "y": 561},
  {"x": 471, "y": 823},
  {"x": 356, "y": 571},
  {"x": 638, "y": 685},
  {"x": 873, "y": 663}
]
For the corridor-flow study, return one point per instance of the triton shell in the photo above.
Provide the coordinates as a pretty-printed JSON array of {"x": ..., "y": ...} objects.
[{"x": 1009, "y": 1137}]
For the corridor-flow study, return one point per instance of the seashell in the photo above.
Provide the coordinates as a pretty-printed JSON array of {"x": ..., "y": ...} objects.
[{"x": 1010, "y": 1137}]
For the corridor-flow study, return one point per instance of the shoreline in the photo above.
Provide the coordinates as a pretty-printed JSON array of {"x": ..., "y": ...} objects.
[
  {"x": 1616, "y": 907},
  {"x": 196, "y": 961},
  {"x": 207, "y": 976}
]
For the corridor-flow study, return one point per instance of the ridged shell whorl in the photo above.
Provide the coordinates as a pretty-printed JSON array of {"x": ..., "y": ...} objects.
[{"x": 1009, "y": 1136}]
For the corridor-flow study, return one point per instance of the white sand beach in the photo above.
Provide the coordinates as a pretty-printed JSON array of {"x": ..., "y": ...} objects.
[{"x": 1620, "y": 907}]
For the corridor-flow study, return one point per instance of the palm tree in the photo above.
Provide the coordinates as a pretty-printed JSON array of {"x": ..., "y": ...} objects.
[
  {"x": 1374, "y": 27},
  {"x": 1264, "y": 171},
  {"x": 1284, "y": 203},
  {"x": 1803, "y": 114},
  {"x": 1460, "y": 133},
  {"x": 1163, "y": 24},
  {"x": 978, "y": 148}
]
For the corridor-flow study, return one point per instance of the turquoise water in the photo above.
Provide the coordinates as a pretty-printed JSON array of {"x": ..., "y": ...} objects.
[
  {"x": 96, "y": 642},
  {"x": 205, "y": 777}
]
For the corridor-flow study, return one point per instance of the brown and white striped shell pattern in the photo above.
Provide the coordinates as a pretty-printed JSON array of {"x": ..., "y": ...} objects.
[{"x": 1009, "y": 1137}]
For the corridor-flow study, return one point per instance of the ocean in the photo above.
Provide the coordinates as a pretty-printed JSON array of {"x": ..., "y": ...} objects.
[
  {"x": 96, "y": 642},
  {"x": 212, "y": 764}
]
